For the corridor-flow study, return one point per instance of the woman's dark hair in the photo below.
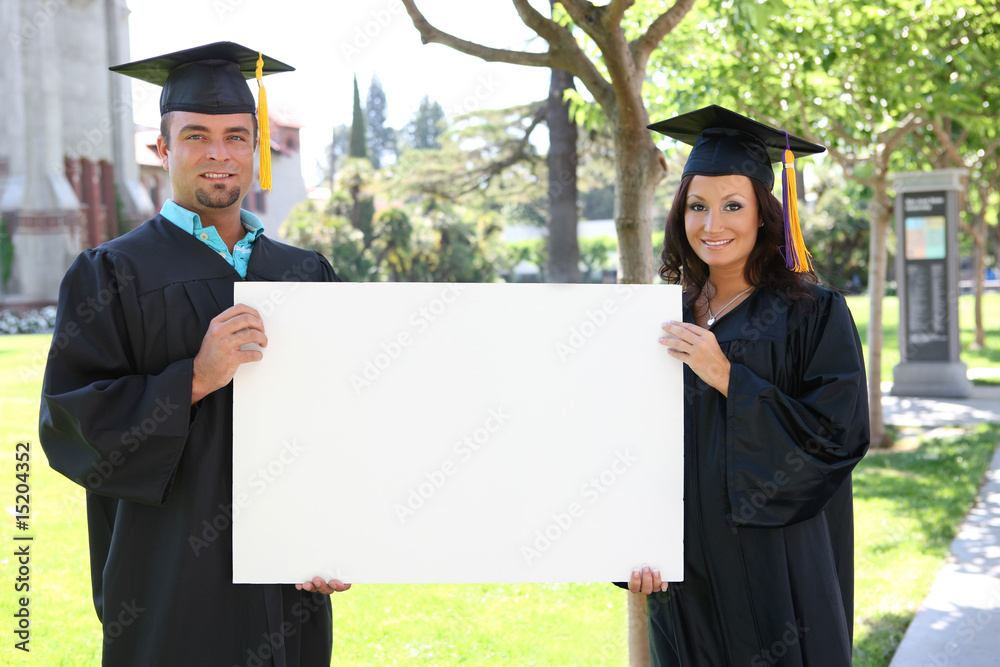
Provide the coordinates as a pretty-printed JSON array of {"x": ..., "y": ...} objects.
[{"x": 765, "y": 266}]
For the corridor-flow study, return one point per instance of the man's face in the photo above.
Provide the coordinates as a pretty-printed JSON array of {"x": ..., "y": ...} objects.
[{"x": 210, "y": 160}]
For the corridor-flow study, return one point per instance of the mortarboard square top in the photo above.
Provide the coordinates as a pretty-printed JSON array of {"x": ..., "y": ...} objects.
[
  {"x": 725, "y": 142},
  {"x": 208, "y": 79}
]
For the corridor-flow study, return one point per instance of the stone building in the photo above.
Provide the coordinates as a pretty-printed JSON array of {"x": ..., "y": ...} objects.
[{"x": 68, "y": 176}]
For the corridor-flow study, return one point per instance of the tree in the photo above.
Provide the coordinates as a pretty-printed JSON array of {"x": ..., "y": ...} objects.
[
  {"x": 381, "y": 139},
  {"x": 564, "y": 248},
  {"x": 532, "y": 251},
  {"x": 359, "y": 145},
  {"x": 838, "y": 229},
  {"x": 329, "y": 231},
  {"x": 591, "y": 43},
  {"x": 427, "y": 126},
  {"x": 964, "y": 132},
  {"x": 357, "y": 178},
  {"x": 404, "y": 245},
  {"x": 357, "y": 172},
  {"x": 956, "y": 143},
  {"x": 595, "y": 255},
  {"x": 498, "y": 165},
  {"x": 336, "y": 154}
]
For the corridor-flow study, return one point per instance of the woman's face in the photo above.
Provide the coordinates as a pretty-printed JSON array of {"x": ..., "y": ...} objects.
[{"x": 721, "y": 220}]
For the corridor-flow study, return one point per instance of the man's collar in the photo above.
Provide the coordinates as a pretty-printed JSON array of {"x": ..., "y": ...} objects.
[{"x": 190, "y": 221}]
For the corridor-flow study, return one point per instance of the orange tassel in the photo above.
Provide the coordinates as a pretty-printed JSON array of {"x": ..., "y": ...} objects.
[
  {"x": 265, "y": 129},
  {"x": 796, "y": 254}
]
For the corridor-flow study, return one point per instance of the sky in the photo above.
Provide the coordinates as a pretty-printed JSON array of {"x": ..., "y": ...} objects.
[{"x": 330, "y": 42}]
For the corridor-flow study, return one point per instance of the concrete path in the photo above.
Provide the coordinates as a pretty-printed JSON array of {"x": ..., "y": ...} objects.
[{"x": 958, "y": 624}]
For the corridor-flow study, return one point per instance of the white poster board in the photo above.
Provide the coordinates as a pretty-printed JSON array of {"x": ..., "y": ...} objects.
[{"x": 442, "y": 433}]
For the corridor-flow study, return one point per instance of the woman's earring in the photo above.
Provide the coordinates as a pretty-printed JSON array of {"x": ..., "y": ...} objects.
[{"x": 761, "y": 224}]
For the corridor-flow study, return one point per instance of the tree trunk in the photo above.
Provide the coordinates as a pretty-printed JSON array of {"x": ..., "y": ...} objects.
[
  {"x": 639, "y": 167},
  {"x": 880, "y": 216},
  {"x": 995, "y": 231},
  {"x": 564, "y": 247},
  {"x": 981, "y": 241},
  {"x": 333, "y": 160}
]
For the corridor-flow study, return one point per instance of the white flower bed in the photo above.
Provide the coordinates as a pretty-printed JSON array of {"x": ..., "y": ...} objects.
[{"x": 30, "y": 322}]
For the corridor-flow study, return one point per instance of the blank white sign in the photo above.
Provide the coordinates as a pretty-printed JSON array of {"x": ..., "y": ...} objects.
[{"x": 458, "y": 433}]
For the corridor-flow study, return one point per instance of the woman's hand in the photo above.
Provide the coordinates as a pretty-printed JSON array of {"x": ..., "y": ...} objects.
[
  {"x": 320, "y": 585},
  {"x": 646, "y": 580},
  {"x": 697, "y": 347}
]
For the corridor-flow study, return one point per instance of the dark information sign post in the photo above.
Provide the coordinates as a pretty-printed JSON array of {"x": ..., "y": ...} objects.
[{"x": 927, "y": 283}]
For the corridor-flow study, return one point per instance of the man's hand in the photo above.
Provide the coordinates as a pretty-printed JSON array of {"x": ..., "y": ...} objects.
[
  {"x": 325, "y": 587},
  {"x": 220, "y": 354}
]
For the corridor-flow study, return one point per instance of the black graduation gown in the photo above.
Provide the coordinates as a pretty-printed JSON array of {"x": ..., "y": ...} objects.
[
  {"x": 769, "y": 525},
  {"x": 116, "y": 418}
]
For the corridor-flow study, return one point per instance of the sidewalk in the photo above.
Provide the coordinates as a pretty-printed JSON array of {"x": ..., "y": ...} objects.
[{"x": 958, "y": 623}]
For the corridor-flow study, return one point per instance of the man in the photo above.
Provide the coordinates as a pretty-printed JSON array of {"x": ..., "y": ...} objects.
[{"x": 137, "y": 395}]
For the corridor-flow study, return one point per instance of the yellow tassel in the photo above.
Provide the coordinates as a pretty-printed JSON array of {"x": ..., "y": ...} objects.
[
  {"x": 796, "y": 245},
  {"x": 265, "y": 129}
]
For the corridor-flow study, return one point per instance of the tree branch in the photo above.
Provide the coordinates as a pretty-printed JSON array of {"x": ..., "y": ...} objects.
[
  {"x": 566, "y": 51},
  {"x": 588, "y": 18},
  {"x": 845, "y": 160},
  {"x": 626, "y": 80},
  {"x": 429, "y": 34},
  {"x": 946, "y": 143},
  {"x": 908, "y": 125},
  {"x": 480, "y": 178},
  {"x": 643, "y": 47},
  {"x": 543, "y": 26},
  {"x": 617, "y": 8}
]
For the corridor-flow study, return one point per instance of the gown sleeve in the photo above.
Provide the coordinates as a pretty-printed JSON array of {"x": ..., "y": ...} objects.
[
  {"x": 787, "y": 454},
  {"x": 327, "y": 274},
  {"x": 103, "y": 424}
]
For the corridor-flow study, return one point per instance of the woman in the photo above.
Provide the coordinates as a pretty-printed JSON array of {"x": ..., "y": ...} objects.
[{"x": 776, "y": 417}]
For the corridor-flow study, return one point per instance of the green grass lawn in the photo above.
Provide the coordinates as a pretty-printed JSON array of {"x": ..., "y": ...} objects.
[{"x": 908, "y": 505}]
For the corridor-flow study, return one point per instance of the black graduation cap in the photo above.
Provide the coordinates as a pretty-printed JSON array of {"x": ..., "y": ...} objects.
[
  {"x": 206, "y": 79},
  {"x": 212, "y": 79},
  {"x": 725, "y": 143}
]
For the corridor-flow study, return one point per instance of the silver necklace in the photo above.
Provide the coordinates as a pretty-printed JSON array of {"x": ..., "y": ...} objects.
[{"x": 708, "y": 304}]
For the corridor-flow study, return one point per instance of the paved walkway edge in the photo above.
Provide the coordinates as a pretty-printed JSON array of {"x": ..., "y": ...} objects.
[{"x": 959, "y": 620}]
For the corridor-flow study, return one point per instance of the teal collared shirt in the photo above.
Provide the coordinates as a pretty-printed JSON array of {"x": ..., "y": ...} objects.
[{"x": 191, "y": 223}]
